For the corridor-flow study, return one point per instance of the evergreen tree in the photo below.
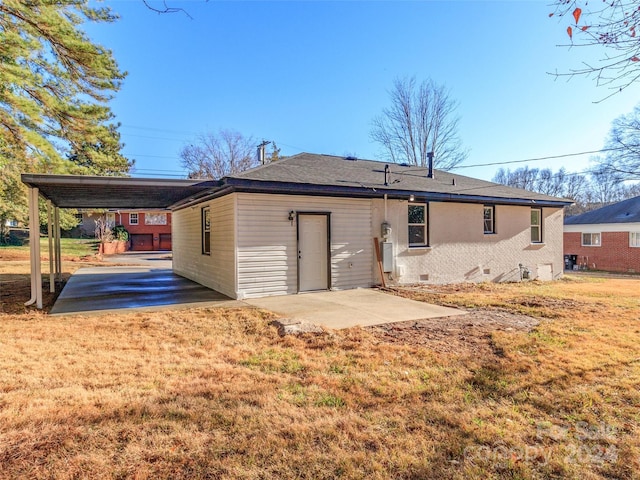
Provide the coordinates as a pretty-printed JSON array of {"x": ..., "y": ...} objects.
[{"x": 54, "y": 88}]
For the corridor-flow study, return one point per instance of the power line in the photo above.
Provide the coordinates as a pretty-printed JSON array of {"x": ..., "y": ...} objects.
[
  {"x": 182, "y": 132},
  {"x": 153, "y": 138},
  {"x": 158, "y": 170},
  {"x": 153, "y": 175},
  {"x": 149, "y": 156},
  {"x": 539, "y": 158}
]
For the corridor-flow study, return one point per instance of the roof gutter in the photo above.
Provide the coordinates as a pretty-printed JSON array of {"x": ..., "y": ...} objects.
[
  {"x": 201, "y": 198},
  {"x": 256, "y": 186},
  {"x": 34, "y": 179},
  {"x": 232, "y": 185}
]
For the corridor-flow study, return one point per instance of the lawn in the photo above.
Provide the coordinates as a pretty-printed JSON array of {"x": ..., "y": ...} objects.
[
  {"x": 216, "y": 393},
  {"x": 15, "y": 268},
  {"x": 70, "y": 247}
]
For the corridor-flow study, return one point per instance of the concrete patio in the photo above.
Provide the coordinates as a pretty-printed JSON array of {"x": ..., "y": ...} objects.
[
  {"x": 145, "y": 281},
  {"x": 350, "y": 308}
]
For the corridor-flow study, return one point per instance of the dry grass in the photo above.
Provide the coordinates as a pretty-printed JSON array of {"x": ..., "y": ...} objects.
[
  {"x": 15, "y": 284},
  {"x": 215, "y": 393}
]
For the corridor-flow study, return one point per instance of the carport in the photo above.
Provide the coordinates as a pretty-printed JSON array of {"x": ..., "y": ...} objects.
[{"x": 75, "y": 191}]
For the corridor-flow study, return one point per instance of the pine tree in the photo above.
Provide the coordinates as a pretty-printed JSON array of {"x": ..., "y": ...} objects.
[{"x": 55, "y": 85}]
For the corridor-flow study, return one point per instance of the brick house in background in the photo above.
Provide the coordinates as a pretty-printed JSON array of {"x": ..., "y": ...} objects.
[
  {"x": 605, "y": 239},
  {"x": 148, "y": 230}
]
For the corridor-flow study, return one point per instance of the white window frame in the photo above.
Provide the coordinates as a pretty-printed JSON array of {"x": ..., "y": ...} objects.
[
  {"x": 591, "y": 243},
  {"x": 424, "y": 225},
  {"x": 492, "y": 209},
  {"x": 205, "y": 218},
  {"x": 538, "y": 226},
  {"x": 634, "y": 239},
  {"x": 155, "y": 218},
  {"x": 131, "y": 217}
]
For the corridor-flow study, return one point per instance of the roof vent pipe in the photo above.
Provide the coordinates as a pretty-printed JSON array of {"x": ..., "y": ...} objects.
[
  {"x": 430, "y": 160},
  {"x": 386, "y": 175},
  {"x": 262, "y": 152}
]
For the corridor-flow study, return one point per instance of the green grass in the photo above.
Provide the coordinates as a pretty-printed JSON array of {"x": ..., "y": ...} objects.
[{"x": 77, "y": 247}]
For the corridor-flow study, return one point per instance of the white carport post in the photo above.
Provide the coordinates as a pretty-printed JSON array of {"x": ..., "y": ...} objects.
[
  {"x": 57, "y": 244},
  {"x": 52, "y": 273},
  {"x": 34, "y": 249}
]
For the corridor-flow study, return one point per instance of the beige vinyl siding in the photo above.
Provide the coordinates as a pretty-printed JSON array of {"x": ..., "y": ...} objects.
[
  {"x": 267, "y": 243},
  {"x": 216, "y": 271}
]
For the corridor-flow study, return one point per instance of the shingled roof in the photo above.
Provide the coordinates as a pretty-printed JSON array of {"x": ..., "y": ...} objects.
[
  {"x": 626, "y": 211},
  {"x": 333, "y": 175}
]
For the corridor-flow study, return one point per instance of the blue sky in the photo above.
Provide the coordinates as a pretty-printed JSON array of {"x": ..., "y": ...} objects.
[{"x": 311, "y": 75}]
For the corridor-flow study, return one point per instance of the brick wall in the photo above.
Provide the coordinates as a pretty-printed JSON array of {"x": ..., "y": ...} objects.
[
  {"x": 614, "y": 254},
  {"x": 460, "y": 251},
  {"x": 143, "y": 229}
]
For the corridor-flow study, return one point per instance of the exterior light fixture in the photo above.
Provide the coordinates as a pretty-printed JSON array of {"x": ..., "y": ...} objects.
[
  {"x": 291, "y": 216},
  {"x": 412, "y": 197}
]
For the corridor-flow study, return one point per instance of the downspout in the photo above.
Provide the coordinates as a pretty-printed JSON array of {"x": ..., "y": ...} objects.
[
  {"x": 34, "y": 249},
  {"x": 385, "y": 207}
]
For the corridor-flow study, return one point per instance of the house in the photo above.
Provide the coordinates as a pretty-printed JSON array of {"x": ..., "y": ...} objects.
[
  {"x": 605, "y": 239},
  {"x": 309, "y": 222},
  {"x": 148, "y": 230}
]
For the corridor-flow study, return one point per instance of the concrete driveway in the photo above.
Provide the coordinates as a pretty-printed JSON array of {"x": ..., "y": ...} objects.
[
  {"x": 147, "y": 284},
  {"x": 350, "y": 308},
  {"x": 149, "y": 259}
]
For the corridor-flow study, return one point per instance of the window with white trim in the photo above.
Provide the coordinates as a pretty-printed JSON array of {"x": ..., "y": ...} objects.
[
  {"x": 133, "y": 219},
  {"x": 536, "y": 225},
  {"x": 591, "y": 240},
  {"x": 206, "y": 231},
  {"x": 418, "y": 223},
  {"x": 155, "y": 218},
  {"x": 489, "y": 219},
  {"x": 111, "y": 219},
  {"x": 634, "y": 239}
]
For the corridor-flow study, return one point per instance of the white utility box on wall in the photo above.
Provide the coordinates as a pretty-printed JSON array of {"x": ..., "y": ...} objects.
[{"x": 387, "y": 257}]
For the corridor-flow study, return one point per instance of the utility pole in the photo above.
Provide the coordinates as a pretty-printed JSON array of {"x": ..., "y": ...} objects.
[{"x": 262, "y": 155}]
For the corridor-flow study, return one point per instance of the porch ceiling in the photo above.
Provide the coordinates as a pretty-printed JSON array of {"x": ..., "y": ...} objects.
[{"x": 76, "y": 191}]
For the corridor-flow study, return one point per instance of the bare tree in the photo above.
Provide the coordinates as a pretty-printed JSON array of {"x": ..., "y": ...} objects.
[
  {"x": 559, "y": 184},
  {"x": 218, "y": 154},
  {"x": 421, "y": 119},
  {"x": 600, "y": 187},
  {"x": 607, "y": 186},
  {"x": 612, "y": 25},
  {"x": 525, "y": 178},
  {"x": 164, "y": 8},
  {"x": 623, "y": 144}
]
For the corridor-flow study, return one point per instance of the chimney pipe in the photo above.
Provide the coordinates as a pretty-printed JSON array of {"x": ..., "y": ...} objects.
[
  {"x": 430, "y": 160},
  {"x": 262, "y": 153},
  {"x": 386, "y": 175}
]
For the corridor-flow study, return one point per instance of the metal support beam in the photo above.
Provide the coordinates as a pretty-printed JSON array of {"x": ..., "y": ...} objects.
[
  {"x": 56, "y": 226},
  {"x": 52, "y": 280},
  {"x": 34, "y": 250}
]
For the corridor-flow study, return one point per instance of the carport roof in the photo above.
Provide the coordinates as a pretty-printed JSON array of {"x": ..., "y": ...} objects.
[{"x": 79, "y": 191}]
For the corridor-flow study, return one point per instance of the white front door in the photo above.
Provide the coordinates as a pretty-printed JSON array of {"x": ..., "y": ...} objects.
[{"x": 313, "y": 252}]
